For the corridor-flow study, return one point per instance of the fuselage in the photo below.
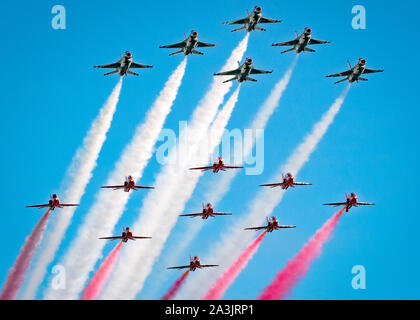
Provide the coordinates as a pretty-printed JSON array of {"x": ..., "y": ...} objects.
[
  {"x": 254, "y": 19},
  {"x": 125, "y": 63},
  {"x": 54, "y": 202},
  {"x": 288, "y": 181},
  {"x": 351, "y": 201},
  {"x": 357, "y": 71},
  {"x": 272, "y": 225},
  {"x": 128, "y": 185},
  {"x": 191, "y": 43},
  {"x": 246, "y": 68},
  {"x": 207, "y": 212},
  {"x": 303, "y": 41},
  {"x": 194, "y": 264}
]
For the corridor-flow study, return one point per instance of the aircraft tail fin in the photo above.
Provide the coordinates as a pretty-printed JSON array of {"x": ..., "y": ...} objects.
[
  {"x": 243, "y": 27},
  {"x": 251, "y": 79},
  {"x": 348, "y": 63},
  {"x": 176, "y": 52},
  {"x": 106, "y": 74},
  {"x": 132, "y": 73},
  {"x": 197, "y": 52},
  {"x": 233, "y": 79},
  {"x": 297, "y": 34},
  {"x": 309, "y": 50},
  {"x": 340, "y": 81},
  {"x": 288, "y": 50}
]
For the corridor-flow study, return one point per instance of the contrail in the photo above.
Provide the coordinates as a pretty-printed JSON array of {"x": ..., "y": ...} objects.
[
  {"x": 18, "y": 272},
  {"x": 175, "y": 183},
  {"x": 263, "y": 204},
  {"x": 218, "y": 290},
  {"x": 101, "y": 276},
  {"x": 77, "y": 177},
  {"x": 176, "y": 286},
  {"x": 214, "y": 195},
  {"x": 297, "y": 268},
  {"x": 84, "y": 251}
]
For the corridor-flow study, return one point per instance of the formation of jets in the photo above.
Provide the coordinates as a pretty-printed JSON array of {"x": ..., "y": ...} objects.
[{"x": 242, "y": 73}]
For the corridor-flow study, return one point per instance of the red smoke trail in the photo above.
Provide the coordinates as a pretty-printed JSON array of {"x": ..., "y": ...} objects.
[
  {"x": 176, "y": 286},
  {"x": 224, "y": 282},
  {"x": 101, "y": 276},
  {"x": 18, "y": 271},
  {"x": 296, "y": 268}
]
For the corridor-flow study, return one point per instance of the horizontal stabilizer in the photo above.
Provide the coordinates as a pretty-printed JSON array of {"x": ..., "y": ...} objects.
[
  {"x": 106, "y": 74},
  {"x": 180, "y": 51},
  {"x": 340, "y": 81},
  {"x": 309, "y": 50},
  {"x": 132, "y": 73},
  {"x": 197, "y": 52},
  {"x": 234, "y": 78},
  {"x": 238, "y": 29},
  {"x": 251, "y": 79}
]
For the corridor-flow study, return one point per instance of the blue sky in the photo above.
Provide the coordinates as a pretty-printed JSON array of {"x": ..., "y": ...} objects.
[{"x": 50, "y": 94}]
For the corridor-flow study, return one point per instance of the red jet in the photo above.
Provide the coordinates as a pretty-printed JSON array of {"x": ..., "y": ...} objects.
[
  {"x": 272, "y": 224},
  {"x": 125, "y": 236},
  {"x": 194, "y": 264},
  {"x": 207, "y": 212},
  {"x": 217, "y": 166},
  {"x": 351, "y": 201},
  {"x": 129, "y": 184},
  {"x": 53, "y": 203},
  {"x": 288, "y": 181}
]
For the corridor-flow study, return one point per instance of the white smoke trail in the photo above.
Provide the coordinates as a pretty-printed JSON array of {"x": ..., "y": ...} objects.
[
  {"x": 235, "y": 239},
  {"x": 214, "y": 195},
  {"x": 85, "y": 250},
  {"x": 175, "y": 183},
  {"x": 77, "y": 177}
]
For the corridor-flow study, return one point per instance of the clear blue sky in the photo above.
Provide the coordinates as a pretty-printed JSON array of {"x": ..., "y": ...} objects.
[{"x": 50, "y": 94}]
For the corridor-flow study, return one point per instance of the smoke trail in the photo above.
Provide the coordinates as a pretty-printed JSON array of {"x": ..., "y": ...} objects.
[
  {"x": 263, "y": 204},
  {"x": 101, "y": 276},
  {"x": 155, "y": 219},
  {"x": 160, "y": 210},
  {"x": 77, "y": 177},
  {"x": 297, "y": 268},
  {"x": 18, "y": 272},
  {"x": 109, "y": 206},
  {"x": 214, "y": 195},
  {"x": 224, "y": 282},
  {"x": 176, "y": 286}
]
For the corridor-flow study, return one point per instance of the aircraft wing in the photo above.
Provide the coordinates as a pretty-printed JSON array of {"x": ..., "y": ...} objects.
[
  {"x": 365, "y": 204},
  {"x": 142, "y": 187},
  {"x": 315, "y": 41},
  {"x": 68, "y": 205},
  {"x": 287, "y": 43},
  {"x": 335, "y": 204},
  {"x": 372, "y": 71},
  {"x": 191, "y": 215},
  {"x": 302, "y": 184},
  {"x": 38, "y": 206},
  {"x": 111, "y": 65},
  {"x": 267, "y": 20},
  {"x": 208, "y": 265},
  {"x": 222, "y": 214},
  {"x": 204, "y": 44},
  {"x": 286, "y": 227},
  {"x": 139, "y": 237},
  {"x": 272, "y": 185},
  {"x": 111, "y": 238},
  {"x": 175, "y": 45},
  {"x": 341, "y": 74},
  {"x": 139, "y": 65},
  {"x": 239, "y": 21},
  {"x": 256, "y": 71},
  {"x": 202, "y": 168},
  {"x": 232, "y": 167},
  {"x": 112, "y": 187},
  {"x": 256, "y": 228},
  {"x": 180, "y": 267},
  {"x": 228, "y": 73}
]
